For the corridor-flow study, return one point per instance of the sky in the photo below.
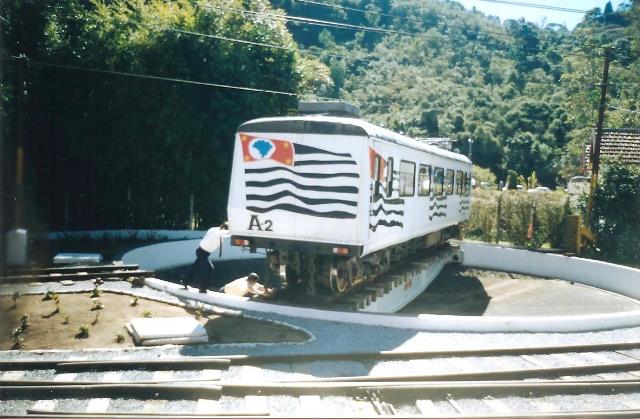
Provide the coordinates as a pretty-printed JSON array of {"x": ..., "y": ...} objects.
[{"x": 536, "y": 15}]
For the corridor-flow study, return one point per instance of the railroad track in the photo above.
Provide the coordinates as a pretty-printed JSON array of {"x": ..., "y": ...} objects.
[
  {"x": 105, "y": 272},
  {"x": 560, "y": 381}
]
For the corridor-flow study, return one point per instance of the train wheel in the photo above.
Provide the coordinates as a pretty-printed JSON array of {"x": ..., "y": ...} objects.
[{"x": 341, "y": 281}]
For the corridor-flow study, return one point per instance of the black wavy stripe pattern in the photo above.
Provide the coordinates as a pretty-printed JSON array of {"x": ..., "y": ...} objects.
[
  {"x": 437, "y": 215},
  {"x": 305, "y": 149},
  {"x": 299, "y": 149},
  {"x": 336, "y": 189},
  {"x": 390, "y": 201},
  {"x": 387, "y": 212},
  {"x": 305, "y": 211},
  {"x": 393, "y": 223},
  {"x": 436, "y": 206},
  {"x": 308, "y": 201},
  {"x": 306, "y": 175}
]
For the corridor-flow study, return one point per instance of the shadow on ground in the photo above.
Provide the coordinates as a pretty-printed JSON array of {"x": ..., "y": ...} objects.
[{"x": 454, "y": 292}]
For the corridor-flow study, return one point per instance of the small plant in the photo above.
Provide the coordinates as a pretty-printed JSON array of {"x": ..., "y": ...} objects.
[
  {"x": 136, "y": 281},
  {"x": 96, "y": 292},
  {"x": 15, "y": 297},
  {"x": 97, "y": 305},
  {"x": 65, "y": 320},
  {"x": 98, "y": 281},
  {"x": 18, "y": 342},
  {"x": 134, "y": 301},
  {"x": 16, "y": 332},
  {"x": 24, "y": 322},
  {"x": 119, "y": 338},
  {"x": 197, "y": 313},
  {"x": 146, "y": 314},
  {"x": 96, "y": 319},
  {"x": 48, "y": 295},
  {"x": 83, "y": 332}
]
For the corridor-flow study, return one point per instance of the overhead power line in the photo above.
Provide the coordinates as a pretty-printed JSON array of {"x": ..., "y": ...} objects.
[
  {"x": 537, "y": 6},
  {"x": 274, "y": 46},
  {"x": 316, "y": 22},
  {"x": 395, "y": 16},
  {"x": 161, "y": 78},
  {"x": 332, "y": 24}
]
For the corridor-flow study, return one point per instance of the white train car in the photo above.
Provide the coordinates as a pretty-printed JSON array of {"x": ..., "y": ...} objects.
[{"x": 335, "y": 200}]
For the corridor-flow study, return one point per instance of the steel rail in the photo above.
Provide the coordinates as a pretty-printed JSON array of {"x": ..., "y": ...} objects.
[
  {"x": 167, "y": 364},
  {"x": 22, "y": 364},
  {"x": 398, "y": 355},
  {"x": 516, "y": 374},
  {"x": 140, "y": 415},
  {"x": 54, "y": 383},
  {"x": 577, "y": 414},
  {"x": 146, "y": 391},
  {"x": 71, "y": 269},
  {"x": 423, "y": 388},
  {"x": 77, "y": 275}
]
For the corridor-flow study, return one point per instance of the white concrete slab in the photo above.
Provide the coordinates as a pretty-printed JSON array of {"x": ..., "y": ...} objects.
[
  {"x": 175, "y": 341},
  {"x": 167, "y": 328}
]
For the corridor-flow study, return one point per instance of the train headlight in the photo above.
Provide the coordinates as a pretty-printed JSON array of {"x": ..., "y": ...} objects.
[{"x": 340, "y": 250}]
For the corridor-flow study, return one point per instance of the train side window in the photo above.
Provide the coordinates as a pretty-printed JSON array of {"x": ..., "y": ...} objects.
[
  {"x": 376, "y": 174},
  {"x": 389, "y": 185},
  {"x": 459, "y": 182},
  {"x": 407, "y": 178},
  {"x": 424, "y": 180},
  {"x": 450, "y": 181},
  {"x": 438, "y": 181},
  {"x": 467, "y": 184}
]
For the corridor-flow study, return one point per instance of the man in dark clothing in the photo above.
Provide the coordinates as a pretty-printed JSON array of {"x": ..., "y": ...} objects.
[{"x": 201, "y": 271}]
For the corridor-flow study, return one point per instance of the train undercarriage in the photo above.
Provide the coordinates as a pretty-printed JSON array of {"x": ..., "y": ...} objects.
[{"x": 311, "y": 272}]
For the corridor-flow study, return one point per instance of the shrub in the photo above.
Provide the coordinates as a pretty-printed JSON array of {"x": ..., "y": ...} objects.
[
  {"x": 24, "y": 321},
  {"x": 119, "y": 338},
  {"x": 614, "y": 218},
  {"x": 96, "y": 292},
  {"x": 83, "y": 332},
  {"x": 518, "y": 209},
  {"x": 146, "y": 313},
  {"x": 134, "y": 301},
  {"x": 96, "y": 319},
  {"x": 48, "y": 295},
  {"x": 97, "y": 305}
]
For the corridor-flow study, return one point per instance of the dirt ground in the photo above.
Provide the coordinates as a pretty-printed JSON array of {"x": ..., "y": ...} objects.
[{"x": 49, "y": 330}]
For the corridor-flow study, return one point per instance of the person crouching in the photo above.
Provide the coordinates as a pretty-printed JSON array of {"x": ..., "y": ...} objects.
[{"x": 246, "y": 286}]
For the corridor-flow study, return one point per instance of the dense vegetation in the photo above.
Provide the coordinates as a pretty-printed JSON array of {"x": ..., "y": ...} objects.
[
  {"x": 525, "y": 94},
  {"x": 110, "y": 150}
]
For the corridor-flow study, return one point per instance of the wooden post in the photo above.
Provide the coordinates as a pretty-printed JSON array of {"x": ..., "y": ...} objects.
[
  {"x": 499, "y": 217},
  {"x": 595, "y": 147}
]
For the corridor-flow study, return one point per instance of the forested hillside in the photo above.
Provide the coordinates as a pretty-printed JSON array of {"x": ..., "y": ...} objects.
[
  {"x": 123, "y": 111},
  {"x": 525, "y": 94}
]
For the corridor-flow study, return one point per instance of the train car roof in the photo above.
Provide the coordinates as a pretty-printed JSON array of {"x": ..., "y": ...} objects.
[{"x": 335, "y": 125}]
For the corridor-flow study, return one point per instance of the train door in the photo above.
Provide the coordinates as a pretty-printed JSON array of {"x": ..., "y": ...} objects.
[{"x": 377, "y": 185}]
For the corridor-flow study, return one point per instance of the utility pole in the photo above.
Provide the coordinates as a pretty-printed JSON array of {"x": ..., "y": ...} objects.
[
  {"x": 470, "y": 141},
  {"x": 595, "y": 147}
]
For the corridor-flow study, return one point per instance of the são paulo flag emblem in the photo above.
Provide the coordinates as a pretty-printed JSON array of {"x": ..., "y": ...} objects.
[{"x": 258, "y": 148}]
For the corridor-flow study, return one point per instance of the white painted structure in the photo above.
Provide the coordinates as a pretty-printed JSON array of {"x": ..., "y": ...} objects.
[
  {"x": 615, "y": 278},
  {"x": 403, "y": 289}
]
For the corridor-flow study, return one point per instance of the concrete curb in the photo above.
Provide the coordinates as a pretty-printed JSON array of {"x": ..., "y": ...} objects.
[{"x": 602, "y": 275}]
